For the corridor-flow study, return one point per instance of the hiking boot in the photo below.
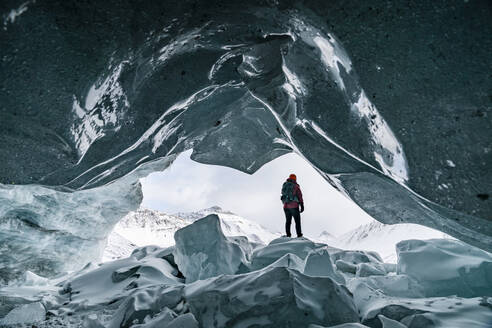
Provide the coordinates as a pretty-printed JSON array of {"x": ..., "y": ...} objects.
[
  {"x": 286, "y": 236},
  {"x": 299, "y": 235}
]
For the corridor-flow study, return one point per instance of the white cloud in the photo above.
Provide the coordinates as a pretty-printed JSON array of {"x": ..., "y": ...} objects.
[{"x": 190, "y": 186}]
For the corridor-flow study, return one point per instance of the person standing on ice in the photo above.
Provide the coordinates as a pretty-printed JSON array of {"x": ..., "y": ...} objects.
[{"x": 292, "y": 199}]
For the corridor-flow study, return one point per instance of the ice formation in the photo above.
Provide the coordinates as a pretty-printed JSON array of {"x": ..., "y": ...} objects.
[
  {"x": 388, "y": 101},
  {"x": 150, "y": 227},
  {"x": 49, "y": 231},
  {"x": 146, "y": 226},
  {"x": 446, "y": 266},
  {"x": 302, "y": 287},
  {"x": 203, "y": 251}
]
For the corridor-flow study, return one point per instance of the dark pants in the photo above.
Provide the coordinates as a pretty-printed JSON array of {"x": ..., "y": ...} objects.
[{"x": 289, "y": 213}]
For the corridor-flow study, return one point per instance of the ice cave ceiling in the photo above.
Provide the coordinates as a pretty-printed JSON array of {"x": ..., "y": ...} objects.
[{"x": 389, "y": 100}]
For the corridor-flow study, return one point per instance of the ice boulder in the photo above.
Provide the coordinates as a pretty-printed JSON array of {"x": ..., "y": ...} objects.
[
  {"x": 390, "y": 323},
  {"x": 203, "y": 251},
  {"x": 113, "y": 281},
  {"x": 271, "y": 297},
  {"x": 24, "y": 314},
  {"x": 390, "y": 285},
  {"x": 318, "y": 263},
  {"x": 290, "y": 261},
  {"x": 346, "y": 267},
  {"x": 446, "y": 267},
  {"x": 155, "y": 301},
  {"x": 370, "y": 269},
  {"x": 419, "y": 312},
  {"x": 163, "y": 318},
  {"x": 356, "y": 257},
  {"x": 358, "y": 263},
  {"x": 264, "y": 256}
]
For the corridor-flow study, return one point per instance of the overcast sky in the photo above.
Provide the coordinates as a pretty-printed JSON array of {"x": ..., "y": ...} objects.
[{"x": 189, "y": 186}]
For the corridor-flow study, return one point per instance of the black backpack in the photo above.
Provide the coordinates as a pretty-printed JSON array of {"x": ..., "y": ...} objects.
[{"x": 288, "y": 192}]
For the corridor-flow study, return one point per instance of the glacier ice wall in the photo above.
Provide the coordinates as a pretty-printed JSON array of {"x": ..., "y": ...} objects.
[
  {"x": 389, "y": 101},
  {"x": 52, "y": 230},
  {"x": 49, "y": 231}
]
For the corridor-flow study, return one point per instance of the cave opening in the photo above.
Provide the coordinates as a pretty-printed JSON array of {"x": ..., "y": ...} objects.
[
  {"x": 187, "y": 191},
  {"x": 189, "y": 186}
]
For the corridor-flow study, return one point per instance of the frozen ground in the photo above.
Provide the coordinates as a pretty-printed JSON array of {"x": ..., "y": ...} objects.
[{"x": 209, "y": 279}]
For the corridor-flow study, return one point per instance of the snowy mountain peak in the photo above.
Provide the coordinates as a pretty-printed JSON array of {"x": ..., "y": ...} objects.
[
  {"x": 150, "y": 227},
  {"x": 213, "y": 209},
  {"x": 326, "y": 235},
  {"x": 150, "y": 218},
  {"x": 380, "y": 237},
  {"x": 193, "y": 216}
]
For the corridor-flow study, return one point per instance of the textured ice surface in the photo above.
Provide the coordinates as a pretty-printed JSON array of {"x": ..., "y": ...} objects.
[
  {"x": 113, "y": 281},
  {"x": 266, "y": 255},
  {"x": 203, "y": 251},
  {"x": 169, "y": 319},
  {"x": 370, "y": 269},
  {"x": 390, "y": 323},
  {"x": 448, "y": 311},
  {"x": 318, "y": 263},
  {"x": 272, "y": 297},
  {"x": 358, "y": 263},
  {"x": 406, "y": 135},
  {"x": 49, "y": 231},
  {"x": 446, "y": 267},
  {"x": 391, "y": 285},
  {"x": 146, "y": 302},
  {"x": 297, "y": 289},
  {"x": 25, "y": 314}
]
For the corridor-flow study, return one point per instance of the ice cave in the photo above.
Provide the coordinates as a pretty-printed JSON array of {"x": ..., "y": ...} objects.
[{"x": 388, "y": 100}]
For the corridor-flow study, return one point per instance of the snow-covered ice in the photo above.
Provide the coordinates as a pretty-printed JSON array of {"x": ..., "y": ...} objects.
[
  {"x": 25, "y": 314},
  {"x": 450, "y": 311},
  {"x": 203, "y": 251},
  {"x": 208, "y": 279},
  {"x": 318, "y": 263},
  {"x": 271, "y": 297},
  {"x": 445, "y": 267},
  {"x": 266, "y": 255}
]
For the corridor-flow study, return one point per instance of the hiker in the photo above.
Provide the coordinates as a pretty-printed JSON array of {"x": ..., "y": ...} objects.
[{"x": 292, "y": 199}]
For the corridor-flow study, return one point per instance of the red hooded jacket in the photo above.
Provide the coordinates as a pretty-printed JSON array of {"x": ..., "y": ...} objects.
[{"x": 298, "y": 193}]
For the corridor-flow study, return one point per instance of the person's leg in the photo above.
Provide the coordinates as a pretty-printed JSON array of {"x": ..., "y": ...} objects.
[
  {"x": 288, "y": 220},
  {"x": 297, "y": 219}
]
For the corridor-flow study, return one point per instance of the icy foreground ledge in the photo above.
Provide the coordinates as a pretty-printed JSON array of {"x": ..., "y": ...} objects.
[
  {"x": 289, "y": 282},
  {"x": 274, "y": 296}
]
